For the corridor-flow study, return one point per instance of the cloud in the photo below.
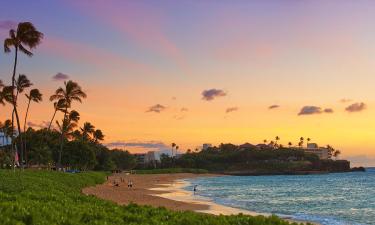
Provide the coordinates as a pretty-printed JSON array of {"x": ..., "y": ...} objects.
[
  {"x": 179, "y": 117},
  {"x": 174, "y": 98},
  {"x": 309, "y": 110},
  {"x": 156, "y": 108},
  {"x": 328, "y": 110},
  {"x": 210, "y": 94},
  {"x": 143, "y": 24},
  {"x": 146, "y": 144},
  {"x": 231, "y": 109},
  {"x": 41, "y": 125},
  {"x": 183, "y": 109},
  {"x": 273, "y": 107},
  {"x": 60, "y": 77},
  {"x": 356, "y": 107},
  {"x": 7, "y": 24},
  {"x": 345, "y": 100}
]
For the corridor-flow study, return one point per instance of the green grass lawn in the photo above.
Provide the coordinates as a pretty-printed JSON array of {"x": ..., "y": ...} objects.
[{"x": 42, "y": 197}]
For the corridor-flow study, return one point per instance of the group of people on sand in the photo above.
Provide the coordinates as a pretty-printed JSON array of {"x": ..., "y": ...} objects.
[{"x": 116, "y": 182}]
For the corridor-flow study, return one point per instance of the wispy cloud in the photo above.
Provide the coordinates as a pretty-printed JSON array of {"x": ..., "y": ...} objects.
[
  {"x": 60, "y": 77},
  {"x": 146, "y": 144},
  {"x": 231, "y": 109},
  {"x": 183, "y": 109},
  {"x": 345, "y": 100},
  {"x": 156, "y": 108},
  {"x": 273, "y": 106},
  {"x": 211, "y": 94},
  {"x": 142, "y": 23},
  {"x": 328, "y": 110},
  {"x": 310, "y": 110},
  {"x": 356, "y": 107},
  {"x": 8, "y": 24},
  {"x": 41, "y": 125},
  {"x": 84, "y": 53}
]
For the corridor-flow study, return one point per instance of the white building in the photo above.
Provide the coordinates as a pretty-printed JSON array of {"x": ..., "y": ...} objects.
[
  {"x": 313, "y": 148},
  {"x": 4, "y": 140},
  {"x": 206, "y": 146}
]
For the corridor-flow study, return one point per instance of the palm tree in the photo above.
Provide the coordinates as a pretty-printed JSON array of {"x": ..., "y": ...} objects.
[
  {"x": 68, "y": 125},
  {"x": 87, "y": 130},
  {"x": 177, "y": 147},
  {"x": 277, "y": 138},
  {"x": 58, "y": 106},
  {"x": 265, "y": 141},
  {"x": 336, "y": 153},
  {"x": 69, "y": 93},
  {"x": 308, "y": 140},
  {"x": 290, "y": 144},
  {"x": 26, "y": 36},
  {"x": 2, "y": 102},
  {"x": 300, "y": 144},
  {"x": 173, "y": 145},
  {"x": 98, "y": 135},
  {"x": 34, "y": 96}
]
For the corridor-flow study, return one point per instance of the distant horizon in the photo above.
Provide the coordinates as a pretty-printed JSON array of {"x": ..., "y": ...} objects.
[{"x": 194, "y": 72}]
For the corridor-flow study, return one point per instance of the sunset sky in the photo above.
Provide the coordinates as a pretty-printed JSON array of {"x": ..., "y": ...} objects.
[{"x": 207, "y": 71}]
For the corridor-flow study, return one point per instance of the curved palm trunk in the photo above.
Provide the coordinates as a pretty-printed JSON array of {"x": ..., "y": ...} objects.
[
  {"x": 14, "y": 102},
  {"x": 53, "y": 117},
  {"x": 24, "y": 129},
  {"x": 62, "y": 137}
]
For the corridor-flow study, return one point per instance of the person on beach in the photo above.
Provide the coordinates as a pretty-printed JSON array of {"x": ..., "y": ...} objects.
[
  {"x": 195, "y": 188},
  {"x": 130, "y": 184}
]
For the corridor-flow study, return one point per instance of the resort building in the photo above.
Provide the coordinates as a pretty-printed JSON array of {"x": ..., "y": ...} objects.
[
  {"x": 4, "y": 140},
  {"x": 323, "y": 153},
  {"x": 206, "y": 146}
]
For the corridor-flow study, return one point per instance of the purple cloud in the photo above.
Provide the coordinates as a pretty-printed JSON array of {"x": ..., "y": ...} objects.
[
  {"x": 156, "y": 108},
  {"x": 328, "y": 110},
  {"x": 41, "y": 125},
  {"x": 60, "y": 77},
  {"x": 231, "y": 109},
  {"x": 210, "y": 94},
  {"x": 8, "y": 24},
  {"x": 345, "y": 100},
  {"x": 147, "y": 144},
  {"x": 309, "y": 110},
  {"x": 273, "y": 107},
  {"x": 356, "y": 107}
]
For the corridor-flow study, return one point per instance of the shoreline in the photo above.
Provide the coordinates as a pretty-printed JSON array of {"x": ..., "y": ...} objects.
[{"x": 165, "y": 190}]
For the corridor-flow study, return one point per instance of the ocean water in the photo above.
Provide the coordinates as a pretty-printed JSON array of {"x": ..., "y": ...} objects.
[{"x": 329, "y": 199}]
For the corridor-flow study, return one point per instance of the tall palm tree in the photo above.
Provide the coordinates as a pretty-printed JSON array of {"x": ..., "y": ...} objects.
[
  {"x": 34, "y": 96},
  {"x": 68, "y": 125},
  {"x": 308, "y": 140},
  {"x": 69, "y": 93},
  {"x": 58, "y": 106},
  {"x": 277, "y": 138},
  {"x": 25, "y": 38},
  {"x": 87, "y": 130},
  {"x": 177, "y": 147},
  {"x": 290, "y": 144},
  {"x": 2, "y": 101},
  {"x": 265, "y": 141},
  {"x": 98, "y": 135},
  {"x": 300, "y": 144},
  {"x": 173, "y": 145}
]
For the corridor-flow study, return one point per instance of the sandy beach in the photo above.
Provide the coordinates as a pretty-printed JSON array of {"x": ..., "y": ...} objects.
[{"x": 161, "y": 190}]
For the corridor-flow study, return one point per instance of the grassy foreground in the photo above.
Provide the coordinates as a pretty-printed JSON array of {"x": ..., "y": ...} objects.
[{"x": 42, "y": 197}]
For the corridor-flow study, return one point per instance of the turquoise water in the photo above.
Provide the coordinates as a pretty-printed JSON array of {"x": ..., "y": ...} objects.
[{"x": 330, "y": 199}]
